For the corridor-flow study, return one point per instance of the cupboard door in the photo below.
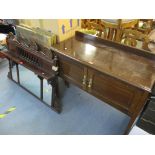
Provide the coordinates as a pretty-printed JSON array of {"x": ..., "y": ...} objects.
[
  {"x": 73, "y": 72},
  {"x": 119, "y": 94}
]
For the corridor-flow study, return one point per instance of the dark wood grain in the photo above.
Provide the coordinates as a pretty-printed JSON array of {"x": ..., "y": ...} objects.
[
  {"x": 121, "y": 76},
  {"x": 133, "y": 69},
  {"x": 44, "y": 66}
]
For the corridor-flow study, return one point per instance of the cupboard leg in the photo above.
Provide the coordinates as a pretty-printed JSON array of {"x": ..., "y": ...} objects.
[
  {"x": 66, "y": 83},
  {"x": 130, "y": 125},
  {"x": 135, "y": 115}
]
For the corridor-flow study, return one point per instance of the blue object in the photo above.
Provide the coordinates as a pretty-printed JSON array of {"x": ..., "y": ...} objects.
[
  {"x": 70, "y": 21},
  {"x": 63, "y": 29}
]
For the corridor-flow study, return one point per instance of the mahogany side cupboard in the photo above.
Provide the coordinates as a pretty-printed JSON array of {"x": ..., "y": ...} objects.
[{"x": 120, "y": 75}]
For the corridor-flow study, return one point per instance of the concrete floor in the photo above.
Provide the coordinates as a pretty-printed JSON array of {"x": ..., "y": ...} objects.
[{"x": 81, "y": 112}]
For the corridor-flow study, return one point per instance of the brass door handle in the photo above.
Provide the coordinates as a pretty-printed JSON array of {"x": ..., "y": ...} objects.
[
  {"x": 90, "y": 83},
  {"x": 84, "y": 80}
]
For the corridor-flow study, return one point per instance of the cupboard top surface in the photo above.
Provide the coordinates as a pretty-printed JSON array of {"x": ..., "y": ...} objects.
[{"x": 131, "y": 68}]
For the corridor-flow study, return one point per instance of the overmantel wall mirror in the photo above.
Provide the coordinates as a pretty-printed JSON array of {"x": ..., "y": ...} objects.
[{"x": 138, "y": 33}]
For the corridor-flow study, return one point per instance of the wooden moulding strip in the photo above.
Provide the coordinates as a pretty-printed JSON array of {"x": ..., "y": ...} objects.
[{"x": 94, "y": 39}]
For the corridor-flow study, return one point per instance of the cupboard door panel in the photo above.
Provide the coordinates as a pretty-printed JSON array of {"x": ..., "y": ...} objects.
[
  {"x": 117, "y": 93},
  {"x": 74, "y": 72}
]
